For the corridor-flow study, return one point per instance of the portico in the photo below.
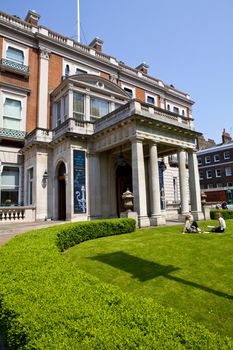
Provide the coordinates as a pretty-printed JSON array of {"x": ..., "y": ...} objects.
[{"x": 94, "y": 161}]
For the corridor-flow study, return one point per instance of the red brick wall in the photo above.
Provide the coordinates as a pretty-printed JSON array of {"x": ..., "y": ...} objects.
[
  {"x": 140, "y": 94},
  {"x": 32, "y": 109},
  {"x": 104, "y": 75},
  {"x": 55, "y": 75}
]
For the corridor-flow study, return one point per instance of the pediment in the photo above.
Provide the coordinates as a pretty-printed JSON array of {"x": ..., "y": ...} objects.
[{"x": 97, "y": 82}]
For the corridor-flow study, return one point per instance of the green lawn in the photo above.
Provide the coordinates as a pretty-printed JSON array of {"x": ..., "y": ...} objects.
[{"x": 191, "y": 273}]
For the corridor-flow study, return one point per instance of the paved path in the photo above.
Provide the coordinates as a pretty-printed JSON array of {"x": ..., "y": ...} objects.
[{"x": 7, "y": 231}]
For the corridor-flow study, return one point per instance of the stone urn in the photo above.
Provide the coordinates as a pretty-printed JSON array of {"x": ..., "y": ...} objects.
[
  {"x": 203, "y": 198},
  {"x": 127, "y": 198}
]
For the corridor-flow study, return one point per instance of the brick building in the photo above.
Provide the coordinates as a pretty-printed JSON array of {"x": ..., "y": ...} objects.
[
  {"x": 78, "y": 127},
  {"x": 215, "y": 165}
]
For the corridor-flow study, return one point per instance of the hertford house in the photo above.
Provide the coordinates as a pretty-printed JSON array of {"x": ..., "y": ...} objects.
[{"x": 78, "y": 128}]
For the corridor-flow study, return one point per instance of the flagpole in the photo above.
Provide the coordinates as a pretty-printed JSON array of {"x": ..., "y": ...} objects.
[{"x": 78, "y": 21}]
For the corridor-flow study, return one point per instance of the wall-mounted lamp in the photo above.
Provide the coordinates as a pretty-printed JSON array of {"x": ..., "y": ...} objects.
[
  {"x": 45, "y": 175},
  {"x": 44, "y": 179}
]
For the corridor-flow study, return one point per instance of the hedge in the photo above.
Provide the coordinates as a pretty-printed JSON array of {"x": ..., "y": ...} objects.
[
  {"x": 47, "y": 303},
  {"x": 84, "y": 231},
  {"x": 226, "y": 213}
]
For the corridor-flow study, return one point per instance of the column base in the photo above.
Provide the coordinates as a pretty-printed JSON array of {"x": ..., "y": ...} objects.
[
  {"x": 197, "y": 215},
  {"x": 143, "y": 221},
  {"x": 157, "y": 220}
]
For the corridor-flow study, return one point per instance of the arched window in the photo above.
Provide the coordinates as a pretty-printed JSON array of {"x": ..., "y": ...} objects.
[{"x": 67, "y": 71}]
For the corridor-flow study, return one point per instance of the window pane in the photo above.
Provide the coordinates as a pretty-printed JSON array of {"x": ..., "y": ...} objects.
[
  {"x": 99, "y": 108},
  {"x": 78, "y": 104},
  {"x": 58, "y": 112},
  {"x": 12, "y": 108},
  {"x": 176, "y": 110},
  {"x": 150, "y": 100},
  {"x": 15, "y": 55},
  {"x": 10, "y": 177},
  {"x": 30, "y": 185},
  {"x": 129, "y": 92}
]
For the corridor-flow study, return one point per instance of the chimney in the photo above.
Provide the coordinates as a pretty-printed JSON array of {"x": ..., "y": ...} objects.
[
  {"x": 226, "y": 137},
  {"x": 143, "y": 67},
  {"x": 97, "y": 44},
  {"x": 32, "y": 17}
]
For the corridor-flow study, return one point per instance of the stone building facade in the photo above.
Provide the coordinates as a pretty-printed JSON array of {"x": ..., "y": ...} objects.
[{"x": 78, "y": 128}]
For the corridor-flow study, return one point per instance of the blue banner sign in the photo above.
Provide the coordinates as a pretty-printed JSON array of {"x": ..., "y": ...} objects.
[{"x": 79, "y": 181}]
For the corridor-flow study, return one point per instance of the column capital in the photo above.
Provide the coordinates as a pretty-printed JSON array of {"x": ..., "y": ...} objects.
[
  {"x": 44, "y": 52},
  {"x": 192, "y": 151},
  {"x": 136, "y": 139},
  {"x": 152, "y": 143}
]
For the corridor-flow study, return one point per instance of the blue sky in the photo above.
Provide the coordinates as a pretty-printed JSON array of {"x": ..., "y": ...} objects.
[{"x": 187, "y": 43}]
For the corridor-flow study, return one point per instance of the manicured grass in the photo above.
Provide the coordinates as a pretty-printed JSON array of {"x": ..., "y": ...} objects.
[
  {"x": 191, "y": 273},
  {"x": 48, "y": 302}
]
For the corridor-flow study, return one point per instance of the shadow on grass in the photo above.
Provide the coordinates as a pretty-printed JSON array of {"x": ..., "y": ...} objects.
[{"x": 144, "y": 270}]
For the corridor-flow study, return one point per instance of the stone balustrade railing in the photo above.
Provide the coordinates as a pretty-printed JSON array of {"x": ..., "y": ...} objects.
[
  {"x": 72, "y": 125},
  {"x": 41, "y": 135},
  {"x": 17, "y": 214},
  {"x": 142, "y": 109}
]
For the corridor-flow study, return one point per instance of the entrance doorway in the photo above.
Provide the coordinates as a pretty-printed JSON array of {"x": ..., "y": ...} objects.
[
  {"x": 123, "y": 182},
  {"x": 61, "y": 192}
]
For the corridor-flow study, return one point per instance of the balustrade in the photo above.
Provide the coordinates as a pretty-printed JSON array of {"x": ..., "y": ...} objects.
[{"x": 17, "y": 214}]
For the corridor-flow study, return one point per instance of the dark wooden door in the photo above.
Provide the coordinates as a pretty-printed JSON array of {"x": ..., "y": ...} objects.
[{"x": 61, "y": 198}]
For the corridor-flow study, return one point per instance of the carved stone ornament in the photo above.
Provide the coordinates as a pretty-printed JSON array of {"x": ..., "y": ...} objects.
[
  {"x": 127, "y": 198},
  {"x": 44, "y": 52},
  {"x": 114, "y": 78}
]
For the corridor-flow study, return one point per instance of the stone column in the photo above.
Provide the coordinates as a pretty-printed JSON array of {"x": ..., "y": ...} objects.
[
  {"x": 87, "y": 112},
  {"x": 156, "y": 217},
  {"x": 43, "y": 87},
  {"x": 184, "y": 198},
  {"x": 70, "y": 104},
  {"x": 139, "y": 183},
  {"x": 194, "y": 186},
  {"x": 94, "y": 186}
]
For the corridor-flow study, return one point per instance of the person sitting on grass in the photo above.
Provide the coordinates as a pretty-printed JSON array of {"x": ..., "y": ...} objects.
[
  {"x": 221, "y": 224},
  {"x": 190, "y": 227}
]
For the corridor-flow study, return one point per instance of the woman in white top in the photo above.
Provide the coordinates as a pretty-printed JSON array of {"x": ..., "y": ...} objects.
[{"x": 222, "y": 224}]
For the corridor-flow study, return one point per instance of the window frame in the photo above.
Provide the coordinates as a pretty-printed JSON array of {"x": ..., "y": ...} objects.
[
  {"x": 92, "y": 98},
  {"x": 176, "y": 110},
  {"x": 228, "y": 173},
  {"x": 22, "y": 98},
  {"x": 207, "y": 160},
  {"x": 30, "y": 181},
  {"x": 227, "y": 155},
  {"x": 128, "y": 87},
  {"x": 80, "y": 115},
  {"x": 17, "y": 186},
  {"x": 218, "y": 172},
  {"x": 8, "y": 43},
  {"x": 209, "y": 171},
  {"x": 216, "y": 158},
  {"x": 152, "y": 97}
]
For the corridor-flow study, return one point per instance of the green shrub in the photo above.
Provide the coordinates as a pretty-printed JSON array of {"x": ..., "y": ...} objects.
[
  {"x": 84, "y": 231},
  {"x": 226, "y": 213},
  {"x": 47, "y": 303}
]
